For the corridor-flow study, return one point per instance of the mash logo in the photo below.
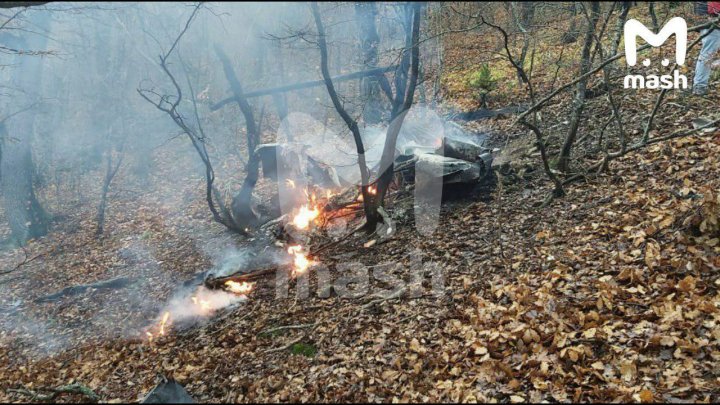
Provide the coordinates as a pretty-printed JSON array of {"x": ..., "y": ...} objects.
[{"x": 635, "y": 29}]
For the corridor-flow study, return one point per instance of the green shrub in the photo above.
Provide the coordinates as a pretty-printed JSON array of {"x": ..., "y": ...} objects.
[
  {"x": 304, "y": 349},
  {"x": 482, "y": 82}
]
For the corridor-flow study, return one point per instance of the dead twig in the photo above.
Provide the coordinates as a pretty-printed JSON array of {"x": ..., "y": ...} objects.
[
  {"x": 26, "y": 260},
  {"x": 396, "y": 294},
  {"x": 55, "y": 392},
  {"x": 330, "y": 244}
]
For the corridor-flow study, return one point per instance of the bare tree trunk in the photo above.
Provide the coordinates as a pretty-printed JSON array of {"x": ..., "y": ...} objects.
[
  {"x": 399, "y": 112},
  {"x": 25, "y": 214},
  {"x": 239, "y": 96},
  {"x": 197, "y": 137},
  {"x": 653, "y": 16},
  {"x": 406, "y": 77},
  {"x": 349, "y": 121},
  {"x": 241, "y": 204},
  {"x": 523, "y": 21},
  {"x": 619, "y": 27},
  {"x": 401, "y": 74},
  {"x": 110, "y": 172},
  {"x": 571, "y": 35},
  {"x": 581, "y": 87},
  {"x": 439, "y": 56},
  {"x": 365, "y": 13},
  {"x": 280, "y": 99}
]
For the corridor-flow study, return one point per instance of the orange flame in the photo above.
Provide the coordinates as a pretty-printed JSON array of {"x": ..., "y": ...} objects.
[
  {"x": 161, "y": 327},
  {"x": 204, "y": 304},
  {"x": 305, "y": 216},
  {"x": 301, "y": 262},
  {"x": 239, "y": 288},
  {"x": 372, "y": 190},
  {"x": 163, "y": 322}
]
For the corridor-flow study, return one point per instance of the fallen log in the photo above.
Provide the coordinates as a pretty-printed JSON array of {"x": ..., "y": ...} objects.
[
  {"x": 305, "y": 85},
  {"x": 37, "y": 395},
  {"x": 112, "y": 284}
]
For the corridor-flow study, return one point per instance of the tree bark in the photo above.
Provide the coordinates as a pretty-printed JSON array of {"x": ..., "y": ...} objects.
[
  {"x": 401, "y": 74},
  {"x": 365, "y": 13},
  {"x": 241, "y": 206},
  {"x": 571, "y": 35},
  {"x": 387, "y": 160},
  {"x": 239, "y": 96},
  {"x": 110, "y": 172},
  {"x": 523, "y": 21},
  {"x": 653, "y": 16},
  {"x": 619, "y": 27},
  {"x": 25, "y": 214},
  {"x": 349, "y": 121},
  {"x": 579, "y": 100},
  {"x": 280, "y": 100}
]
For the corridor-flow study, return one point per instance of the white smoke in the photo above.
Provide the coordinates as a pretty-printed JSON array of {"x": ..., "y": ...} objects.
[
  {"x": 188, "y": 306},
  {"x": 197, "y": 303}
]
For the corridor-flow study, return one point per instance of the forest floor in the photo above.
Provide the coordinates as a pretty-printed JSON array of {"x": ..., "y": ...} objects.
[
  {"x": 610, "y": 293},
  {"x": 604, "y": 295}
]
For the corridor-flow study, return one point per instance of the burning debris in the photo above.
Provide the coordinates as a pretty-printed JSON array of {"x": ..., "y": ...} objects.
[
  {"x": 325, "y": 161},
  {"x": 242, "y": 288},
  {"x": 304, "y": 217},
  {"x": 300, "y": 262},
  {"x": 218, "y": 293},
  {"x": 455, "y": 160},
  {"x": 308, "y": 194},
  {"x": 202, "y": 303}
]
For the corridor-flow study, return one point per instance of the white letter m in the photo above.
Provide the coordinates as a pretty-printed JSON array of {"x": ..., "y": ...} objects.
[{"x": 634, "y": 29}]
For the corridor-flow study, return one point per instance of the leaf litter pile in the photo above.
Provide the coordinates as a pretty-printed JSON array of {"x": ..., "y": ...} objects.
[{"x": 609, "y": 294}]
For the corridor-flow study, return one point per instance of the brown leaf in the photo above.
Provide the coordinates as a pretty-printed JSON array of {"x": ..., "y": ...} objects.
[
  {"x": 687, "y": 284},
  {"x": 646, "y": 396}
]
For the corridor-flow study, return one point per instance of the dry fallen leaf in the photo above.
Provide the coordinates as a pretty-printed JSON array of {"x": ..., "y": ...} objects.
[
  {"x": 646, "y": 396},
  {"x": 687, "y": 284}
]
